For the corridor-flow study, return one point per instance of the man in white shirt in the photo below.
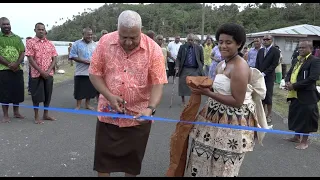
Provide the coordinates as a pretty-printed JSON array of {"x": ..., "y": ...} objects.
[{"x": 173, "y": 48}]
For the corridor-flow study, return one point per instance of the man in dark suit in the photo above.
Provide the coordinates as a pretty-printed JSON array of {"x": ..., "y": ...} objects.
[
  {"x": 303, "y": 95},
  {"x": 189, "y": 63},
  {"x": 267, "y": 61}
]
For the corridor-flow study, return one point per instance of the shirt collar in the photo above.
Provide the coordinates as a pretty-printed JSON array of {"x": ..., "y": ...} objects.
[
  {"x": 37, "y": 39},
  {"x": 268, "y": 48},
  {"x": 299, "y": 57},
  {"x": 86, "y": 42},
  {"x": 115, "y": 41},
  {"x": 254, "y": 49},
  {"x": 208, "y": 46},
  {"x": 11, "y": 34}
]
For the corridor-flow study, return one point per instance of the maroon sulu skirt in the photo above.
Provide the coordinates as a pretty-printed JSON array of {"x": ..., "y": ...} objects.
[{"x": 120, "y": 149}]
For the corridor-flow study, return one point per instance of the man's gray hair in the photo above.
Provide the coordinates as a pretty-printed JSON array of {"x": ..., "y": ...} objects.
[
  {"x": 196, "y": 38},
  {"x": 190, "y": 36},
  {"x": 104, "y": 32},
  {"x": 159, "y": 36},
  {"x": 87, "y": 29},
  {"x": 129, "y": 19}
]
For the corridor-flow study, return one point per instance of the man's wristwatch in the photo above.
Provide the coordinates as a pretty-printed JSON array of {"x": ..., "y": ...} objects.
[{"x": 153, "y": 109}]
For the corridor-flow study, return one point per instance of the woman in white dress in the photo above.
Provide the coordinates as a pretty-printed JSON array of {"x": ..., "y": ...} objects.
[{"x": 236, "y": 100}]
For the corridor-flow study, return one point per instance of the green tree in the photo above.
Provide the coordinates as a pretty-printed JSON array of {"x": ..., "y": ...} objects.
[{"x": 170, "y": 19}]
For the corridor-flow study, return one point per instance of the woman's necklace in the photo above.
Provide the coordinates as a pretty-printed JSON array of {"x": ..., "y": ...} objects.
[{"x": 224, "y": 64}]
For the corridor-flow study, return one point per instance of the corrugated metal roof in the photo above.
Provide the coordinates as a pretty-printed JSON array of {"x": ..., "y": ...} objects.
[{"x": 303, "y": 29}]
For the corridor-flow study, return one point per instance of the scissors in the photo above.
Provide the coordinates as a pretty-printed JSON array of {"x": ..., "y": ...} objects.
[{"x": 123, "y": 108}]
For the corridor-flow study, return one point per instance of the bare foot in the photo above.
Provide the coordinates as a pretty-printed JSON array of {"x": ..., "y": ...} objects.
[
  {"x": 38, "y": 121},
  {"x": 302, "y": 146},
  {"x": 6, "y": 120},
  {"x": 18, "y": 115},
  {"x": 49, "y": 118},
  {"x": 293, "y": 139},
  {"x": 90, "y": 108},
  {"x": 77, "y": 108}
]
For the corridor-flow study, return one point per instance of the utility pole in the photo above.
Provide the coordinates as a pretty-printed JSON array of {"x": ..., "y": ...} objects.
[
  {"x": 202, "y": 28},
  {"x": 314, "y": 14}
]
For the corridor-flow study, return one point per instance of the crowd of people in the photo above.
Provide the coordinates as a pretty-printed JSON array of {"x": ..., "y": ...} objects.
[{"x": 127, "y": 70}]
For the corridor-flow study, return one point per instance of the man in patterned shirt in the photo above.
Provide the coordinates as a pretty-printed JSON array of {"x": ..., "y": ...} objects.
[
  {"x": 127, "y": 69},
  {"x": 42, "y": 58},
  {"x": 11, "y": 73},
  {"x": 81, "y": 53}
]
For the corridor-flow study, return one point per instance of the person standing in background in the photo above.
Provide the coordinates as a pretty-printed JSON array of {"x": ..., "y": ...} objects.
[
  {"x": 301, "y": 82},
  {"x": 69, "y": 49},
  {"x": 216, "y": 59},
  {"x": 267, "y": 61},
  {"x": 42, "y": 56},
  {"x": 245, "y": 53},
  {"x": 28, "y": 67},
  {"x": 278, "y": 69},
  {"x": 295, "y": 53},
  {"x": 81, "y": 52},
  {"x": 252, "y": 54},
  {"x": 189, "y": 63},
  {"x": 173, "y": 48},
  {"x": 151, "y": 34},
  {"x": 207, "y": 49},
  {"x": 11, "y": 73},
  {"x": 165, "y": 52},
  {"x": 197, "y": 41},
  {"x": 103, "y": 32},
  {"x": 94, "y": 38}
]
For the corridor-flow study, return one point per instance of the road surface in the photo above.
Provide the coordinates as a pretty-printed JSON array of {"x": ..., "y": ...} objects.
[{"x": 65, "y": 148}]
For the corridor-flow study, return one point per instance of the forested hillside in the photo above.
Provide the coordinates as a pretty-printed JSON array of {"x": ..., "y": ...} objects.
[{"x": 170, "y": 19}]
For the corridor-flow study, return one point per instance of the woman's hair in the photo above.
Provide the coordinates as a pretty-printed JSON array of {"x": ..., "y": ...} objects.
[
  {"x": 203, "y": 44},
  {"x": 236, "y": 31}
]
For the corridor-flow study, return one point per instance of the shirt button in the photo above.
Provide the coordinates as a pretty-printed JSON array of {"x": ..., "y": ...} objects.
[
  {"x": 125, "y": 71},
  {"x": 122, "y": 83},
  {"x": 120, "y": 94}
]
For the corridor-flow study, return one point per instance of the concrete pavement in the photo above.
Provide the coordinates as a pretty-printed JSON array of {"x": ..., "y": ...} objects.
[{"x": 64, "y": 148}]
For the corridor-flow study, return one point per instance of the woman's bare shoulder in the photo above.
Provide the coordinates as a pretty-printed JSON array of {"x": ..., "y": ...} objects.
[
  {"x": 241, "y": 69},
  {"x": 242, "y": 64}
]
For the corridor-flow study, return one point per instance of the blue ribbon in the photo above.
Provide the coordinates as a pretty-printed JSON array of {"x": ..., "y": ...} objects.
[{"x": 115, "y": 115}]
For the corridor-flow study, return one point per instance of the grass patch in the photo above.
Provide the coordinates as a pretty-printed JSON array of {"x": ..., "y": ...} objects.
[
  {"x": 69, "y": 74},
  {"x": 280, "y": 104},
  {"x": 279, "y": 101}
]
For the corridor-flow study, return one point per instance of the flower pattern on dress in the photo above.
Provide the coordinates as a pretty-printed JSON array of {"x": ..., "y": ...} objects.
[{"x": 233, "y": 144}]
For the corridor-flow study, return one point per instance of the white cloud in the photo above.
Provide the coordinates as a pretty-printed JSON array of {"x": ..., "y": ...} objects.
[{"x": 23, "y": 16}]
